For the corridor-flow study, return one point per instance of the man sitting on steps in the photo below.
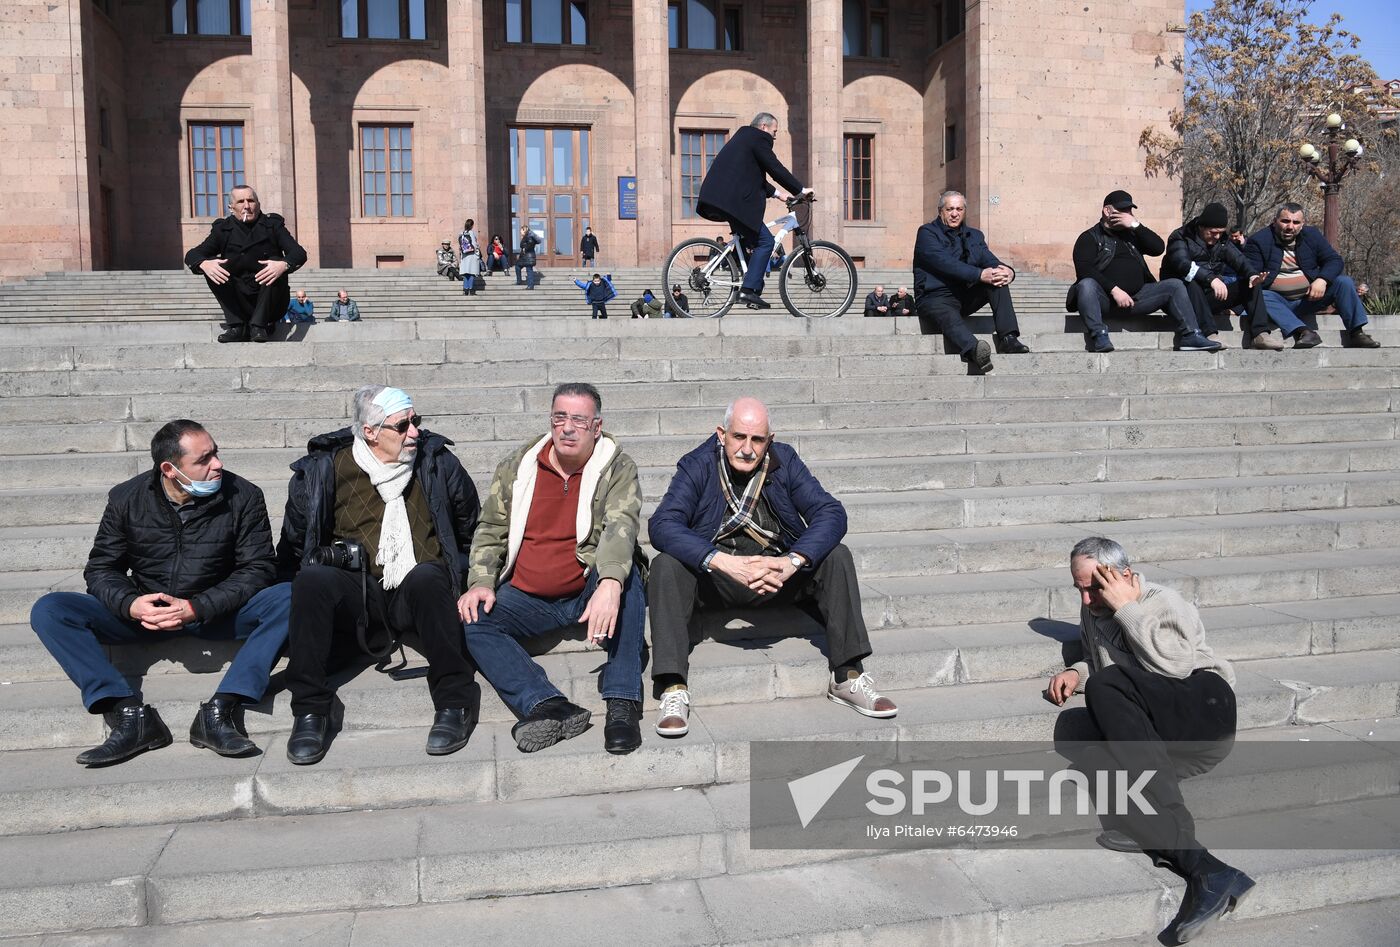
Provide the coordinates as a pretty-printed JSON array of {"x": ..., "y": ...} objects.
[
  {"x": 183, "y": 549},
  {"x": 1152, "y": 685},
  {"x": 745, "y": 524}
]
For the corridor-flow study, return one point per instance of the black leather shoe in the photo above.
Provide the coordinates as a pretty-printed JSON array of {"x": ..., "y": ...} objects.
[
  {"x": 979, "y": 360},
  {"x": 1209, "y": 894},
  {"x": 753, "y": 300},
  {"x": 1010, "y": 345},
  {"x": 307, "y": 744},
  {"x": 234, "y": 334},
  {"x": 1306, "y": 338},
  {"x": 451, "y": 730},
  {"x": 552, "y": 720},
  {"x": 133, "y": 730},
  {"x": 1360, "y": 339},
  {"x": 216, "y": 728},
  {"x": 623, "y": 731},
  {"x": 258, "y": 333},
  {"x": 1116, "y": 841}
]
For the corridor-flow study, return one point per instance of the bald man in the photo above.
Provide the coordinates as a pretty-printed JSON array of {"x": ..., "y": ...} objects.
[{"x": 744, "y": 523}]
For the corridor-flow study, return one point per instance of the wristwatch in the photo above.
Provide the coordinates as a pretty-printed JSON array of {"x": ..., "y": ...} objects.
[{"x": 797, "y": 561}]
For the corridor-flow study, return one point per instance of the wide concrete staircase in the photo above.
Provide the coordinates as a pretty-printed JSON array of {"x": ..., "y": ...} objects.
[{"x": 1262, "y": 485}]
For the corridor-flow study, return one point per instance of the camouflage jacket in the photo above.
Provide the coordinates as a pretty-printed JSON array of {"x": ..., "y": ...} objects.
[{"x": 607, "y": 526}]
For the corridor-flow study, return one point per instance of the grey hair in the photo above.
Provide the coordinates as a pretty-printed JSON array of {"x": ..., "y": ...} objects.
[
  {"x": 363, "y": 410},
  {"x": 580, "y": 389},
  {"x": 764, "y": 118},
  {"x": 245, "y": 187},
  {"x": 1105, "y": 552},
  {"x": 943, "y": 198}
]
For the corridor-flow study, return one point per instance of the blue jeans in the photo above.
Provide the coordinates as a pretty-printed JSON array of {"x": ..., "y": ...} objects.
[
  {"x": 1168, "y": 294},
  {"x": 74, "y": 627},
  {"x": 1288, "y": 314},
  {"x": 468, "y": 281},
  {"x": 529, "y": 274},
  {"x": 759, "y": 243},
  {"x": 494, "y": 642}
]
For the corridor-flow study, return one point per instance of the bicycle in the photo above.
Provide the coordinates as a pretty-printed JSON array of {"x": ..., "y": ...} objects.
[{"x": 816, "y": 281}]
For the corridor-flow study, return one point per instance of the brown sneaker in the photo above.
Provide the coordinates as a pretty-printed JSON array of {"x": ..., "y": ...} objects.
[
  {"x": 1361, "y": 340},
  {"x": 673, "y": 720},
  {"x": 1268, "y": 342},
  {"x": 860, "y": 695}
]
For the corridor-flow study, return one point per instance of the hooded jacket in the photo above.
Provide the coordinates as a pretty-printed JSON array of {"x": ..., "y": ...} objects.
[
  {"x": 309, "y": 520},
  {"x": 606, "y": 529},
  {"x": 218, "y": 559},
  {"x": 1186, "y": 248}
]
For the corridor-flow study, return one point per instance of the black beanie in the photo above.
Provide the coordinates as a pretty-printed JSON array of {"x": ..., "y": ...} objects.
[{"x": 1214, "y": 215}]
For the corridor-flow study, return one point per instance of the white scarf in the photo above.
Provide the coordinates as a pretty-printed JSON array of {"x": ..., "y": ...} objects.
[{"x": 395, "y": 538}]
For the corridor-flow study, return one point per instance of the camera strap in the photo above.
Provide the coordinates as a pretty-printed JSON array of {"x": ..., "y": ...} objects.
[{"x": 382, "y": 658}]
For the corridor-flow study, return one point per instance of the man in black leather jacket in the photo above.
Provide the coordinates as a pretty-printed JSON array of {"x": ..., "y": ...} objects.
[
  {"x": 184, "y": 549},
  {"x": 245, "y": 260},
  {"x": 1201, "y": 256},
  {"x": 397, "y": 491}
]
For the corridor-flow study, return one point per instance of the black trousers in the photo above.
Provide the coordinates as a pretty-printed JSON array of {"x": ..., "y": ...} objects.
[
  {"x": 246, "y": 303},
  {"x": 943, "y": 310},
  {"x": 326, "y": 605},
  {"x": 1238, "y": 293},
  {"x": 676, "y": 593},
  {"x": 1175, "y": 727}
]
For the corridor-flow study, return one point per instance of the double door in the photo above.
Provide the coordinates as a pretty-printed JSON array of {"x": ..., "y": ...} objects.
[{"x": 550, "y": 189}]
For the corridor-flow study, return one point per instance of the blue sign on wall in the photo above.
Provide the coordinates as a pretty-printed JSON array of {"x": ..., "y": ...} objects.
[{"x": 626, "y": 198}]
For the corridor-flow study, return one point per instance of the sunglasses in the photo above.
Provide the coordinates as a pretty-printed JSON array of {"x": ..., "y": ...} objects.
[{"x": 401, "y": 427}]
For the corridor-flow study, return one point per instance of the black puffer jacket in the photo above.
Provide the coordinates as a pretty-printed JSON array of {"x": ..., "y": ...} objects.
[
  {"x": 1186, "y": 246},
  {"x": 310, "y": 516},
  {"x": 218, "y": 560}
]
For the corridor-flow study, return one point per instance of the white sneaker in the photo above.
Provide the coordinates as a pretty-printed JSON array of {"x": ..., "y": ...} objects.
[
  {"x": 673, "y": 720},
  {"x": 860, "y": 695}
]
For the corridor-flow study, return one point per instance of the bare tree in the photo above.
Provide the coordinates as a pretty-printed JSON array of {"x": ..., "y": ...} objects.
[{"x": 1258, "y": 77}]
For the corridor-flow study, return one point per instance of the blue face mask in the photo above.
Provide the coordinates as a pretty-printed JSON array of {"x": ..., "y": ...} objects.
[{"x": 198, "y": 488}]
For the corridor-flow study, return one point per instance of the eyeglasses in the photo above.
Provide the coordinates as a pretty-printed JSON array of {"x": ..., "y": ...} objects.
[
  {"x": 558, "y": 418},
  {"x": 401, "y": 427}
]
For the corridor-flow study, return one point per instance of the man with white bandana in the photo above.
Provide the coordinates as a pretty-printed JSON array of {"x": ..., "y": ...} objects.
[
  {"x": 183, "y": 549},
  {"x": 396, "y": 490}
]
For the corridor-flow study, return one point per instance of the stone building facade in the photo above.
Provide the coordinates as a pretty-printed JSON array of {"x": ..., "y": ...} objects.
[{"x": 376, "y": 126}]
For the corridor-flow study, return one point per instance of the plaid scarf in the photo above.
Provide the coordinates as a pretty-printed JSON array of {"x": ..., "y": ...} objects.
[{"x": 741, "y": 507}]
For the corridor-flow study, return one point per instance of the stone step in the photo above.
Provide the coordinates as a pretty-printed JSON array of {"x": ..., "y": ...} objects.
[
  {"x": 912, "y": 550},
  {"x": 654, "y": 437},
  {"x": 842, "y": 477},
  {"x": 685, "y": 847}
]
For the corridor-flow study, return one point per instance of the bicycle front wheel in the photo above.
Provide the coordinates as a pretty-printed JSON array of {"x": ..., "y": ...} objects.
[
  {"x": 710, "y": 284},
  {"x": 818, "y": 281}
]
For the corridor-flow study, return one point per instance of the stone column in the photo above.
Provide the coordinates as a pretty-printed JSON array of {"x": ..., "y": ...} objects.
[
  {"x": 273, "y": 170},
  {"x": 466, "y": 160},
  {"x": 651, "y": 70},
  {"x": 824, "y": 84}
]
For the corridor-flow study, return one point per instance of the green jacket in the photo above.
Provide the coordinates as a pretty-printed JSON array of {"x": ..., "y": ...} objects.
[{"x": 607, "y": 526}]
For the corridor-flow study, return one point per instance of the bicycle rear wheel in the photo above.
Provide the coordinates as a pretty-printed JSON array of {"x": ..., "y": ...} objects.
[
  {"x": 818, "y": 281},
  {"x": 710, "y": 286}
]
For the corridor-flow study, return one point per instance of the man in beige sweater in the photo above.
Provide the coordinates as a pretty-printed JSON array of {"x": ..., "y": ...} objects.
[{"x": 1150, "y": 680}]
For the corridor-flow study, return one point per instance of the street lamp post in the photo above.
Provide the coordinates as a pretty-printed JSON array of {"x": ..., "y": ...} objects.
[{"x": 1331, "y": 175}]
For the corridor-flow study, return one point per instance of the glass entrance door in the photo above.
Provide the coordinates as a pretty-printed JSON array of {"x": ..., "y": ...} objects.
[{"x": 550, "y": 190}]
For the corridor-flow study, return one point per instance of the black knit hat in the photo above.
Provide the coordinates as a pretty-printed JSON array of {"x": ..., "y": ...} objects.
[
  {"x": 1214, "y": 215},
  {"x": 1122, "y": 200}
]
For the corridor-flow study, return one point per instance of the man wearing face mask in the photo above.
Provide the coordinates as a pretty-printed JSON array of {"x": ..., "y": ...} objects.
[
  {"x": 394, "y": 490},
  {"x": 185, "y": 549},
  {"x": 745, "y": 524},
  {"x": 245, "y": 260},
  {"x": 1159, "y": 701}
]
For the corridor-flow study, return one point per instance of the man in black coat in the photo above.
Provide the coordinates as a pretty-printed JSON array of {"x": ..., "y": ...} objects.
[
  {"x": 736, "y": 189},
  {"x": 1110, "y": 271},
  {"x": 246, "y": 260},
  {"x": 184, "y": 549},
  {"x": 956, "y": 274},
  {"x": 397, "y": 492},
  {"x": 1200, "y": 256}
]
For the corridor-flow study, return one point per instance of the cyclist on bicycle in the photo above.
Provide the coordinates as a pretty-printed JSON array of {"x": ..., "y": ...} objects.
[{"x": 735, "y": 190}]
